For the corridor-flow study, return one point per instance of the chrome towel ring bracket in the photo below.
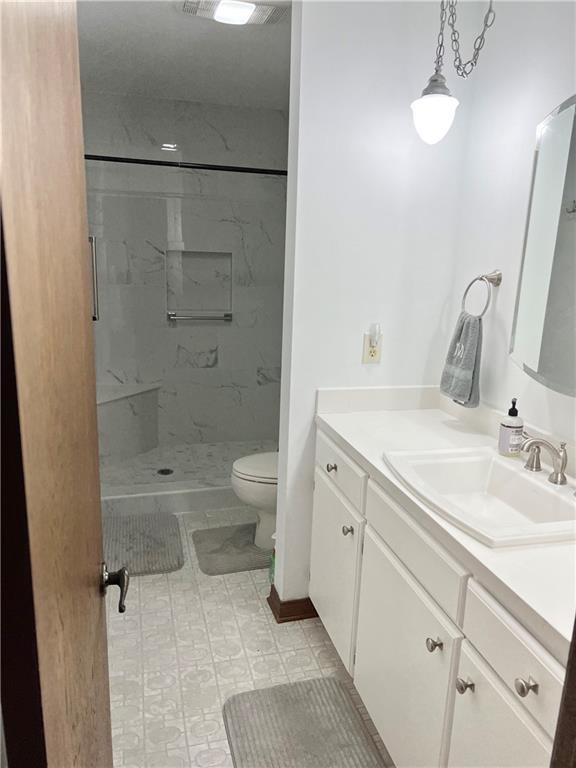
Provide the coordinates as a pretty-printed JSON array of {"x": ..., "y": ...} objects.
[{"x": 491, "y": 279}]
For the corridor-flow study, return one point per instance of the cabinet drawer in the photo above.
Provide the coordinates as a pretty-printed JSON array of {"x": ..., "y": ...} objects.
[
  {"x": 514, "y": 655},
  {"x": 442, "y": 576},
  {"x": 345, "y": 473},
  {"x": 337, "y": 533},
  {"x": 490, "y": 730},
  {"x": 406, "y": 686}
]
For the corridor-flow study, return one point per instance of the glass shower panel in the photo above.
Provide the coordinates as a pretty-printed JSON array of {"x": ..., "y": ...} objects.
[{"x": 197, "y": 242}]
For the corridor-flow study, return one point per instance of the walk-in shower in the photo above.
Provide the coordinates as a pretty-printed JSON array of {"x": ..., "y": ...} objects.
[{"x": 188, "y": 282}]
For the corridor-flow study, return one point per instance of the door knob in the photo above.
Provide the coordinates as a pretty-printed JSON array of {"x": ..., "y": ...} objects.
[
  {"x": 523, "y": 688},
  {"x": 431, "y": 644},
  {"x": 331, "y": 467},
  {"x": 346, "y": 529},
  {"x": 464, "y": 685},
  {"x": 119, "y": 578}
]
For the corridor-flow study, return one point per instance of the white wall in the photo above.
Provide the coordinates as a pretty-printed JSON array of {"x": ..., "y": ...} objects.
[
  {"x": 526, "y": 69},
  {"x": 372, "y": 226},
  {"x": 384, "y": 228}
]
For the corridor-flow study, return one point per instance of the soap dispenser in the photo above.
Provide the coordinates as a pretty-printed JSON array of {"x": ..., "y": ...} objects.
[{"x": 510, "y": 437}]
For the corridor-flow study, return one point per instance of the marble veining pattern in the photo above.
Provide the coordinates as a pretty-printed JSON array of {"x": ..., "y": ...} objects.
[
  {"x": 217, "y": 381},
  {"x": 201, "y": 465},
  {"x": 189, "y": 641},
  {"x": 127, "y": 426},
  {"x": 137, "y": 126}
]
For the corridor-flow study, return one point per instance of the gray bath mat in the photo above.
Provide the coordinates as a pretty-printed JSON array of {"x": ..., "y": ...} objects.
[
  {"x": 229, "y": 549},
  {"x": 145, "y": 544},
  {"x": 307, "y": 724}
]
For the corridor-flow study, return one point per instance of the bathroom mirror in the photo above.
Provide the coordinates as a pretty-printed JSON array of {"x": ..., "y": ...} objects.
[{"x": 544, "y": 334}]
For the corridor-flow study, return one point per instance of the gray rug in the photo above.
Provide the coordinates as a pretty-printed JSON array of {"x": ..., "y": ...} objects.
[
  {"x": 229, "y": 549},
  {"x": 307, "y": 724},
  {"x": 145, "y": 544}
]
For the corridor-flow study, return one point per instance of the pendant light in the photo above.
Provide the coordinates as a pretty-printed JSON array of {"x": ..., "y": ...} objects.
[{"x": 434, "y": 111}]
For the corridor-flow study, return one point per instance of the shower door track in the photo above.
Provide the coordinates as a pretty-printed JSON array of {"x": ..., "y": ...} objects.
[{"x": 189, "y": 166}]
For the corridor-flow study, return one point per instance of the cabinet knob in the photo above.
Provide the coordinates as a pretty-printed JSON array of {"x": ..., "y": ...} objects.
[
  {"x": 523, "y": 688},
  {"x": 464, "y": 685},
  {"x": 431, "y": 644},
  {"x": 346, "y": 529},
  {"x": 331, "y": 467}
]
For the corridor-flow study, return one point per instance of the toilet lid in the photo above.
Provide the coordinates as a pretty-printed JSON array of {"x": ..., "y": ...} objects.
[{"x": 262, "y": 467}]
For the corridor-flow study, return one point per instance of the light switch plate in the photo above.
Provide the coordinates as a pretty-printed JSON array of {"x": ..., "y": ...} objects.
[{"x": 371, "y": 354}]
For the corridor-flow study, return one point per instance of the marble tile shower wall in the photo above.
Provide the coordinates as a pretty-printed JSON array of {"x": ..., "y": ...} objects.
[
  {"x": 136, "y": 126},
  {"x": 218, "y": 381}
]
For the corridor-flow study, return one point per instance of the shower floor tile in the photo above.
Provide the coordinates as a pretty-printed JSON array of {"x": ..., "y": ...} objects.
[
  {"x": 189, "y": 641},
  {"x": 201, "y": 465}
]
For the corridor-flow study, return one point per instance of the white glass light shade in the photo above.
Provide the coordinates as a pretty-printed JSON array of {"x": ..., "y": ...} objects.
[
  {"x": 233, "y": 12},
  {"x": 433, "y": 116}
]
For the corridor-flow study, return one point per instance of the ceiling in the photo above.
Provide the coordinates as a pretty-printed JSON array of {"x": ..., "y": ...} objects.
[{"x": 152, "y": 48}]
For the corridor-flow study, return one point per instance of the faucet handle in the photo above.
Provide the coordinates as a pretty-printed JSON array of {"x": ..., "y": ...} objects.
[
  {"x": 533, "y": 462},
  {"x": 557, "y": 476}
]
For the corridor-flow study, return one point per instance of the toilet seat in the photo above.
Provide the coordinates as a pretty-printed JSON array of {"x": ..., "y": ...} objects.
[{"x": 257, "y": 468}]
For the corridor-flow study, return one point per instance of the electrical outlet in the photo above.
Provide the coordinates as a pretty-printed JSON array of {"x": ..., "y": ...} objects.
[{"x": 371, "y": 354}]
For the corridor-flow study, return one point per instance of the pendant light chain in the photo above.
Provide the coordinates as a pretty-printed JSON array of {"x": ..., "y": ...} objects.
[
  {"x": 448, "y": 13},
  {"x": 439, "y": 63}
]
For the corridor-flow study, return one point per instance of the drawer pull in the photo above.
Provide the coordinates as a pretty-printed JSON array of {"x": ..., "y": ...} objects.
[
  {"x": 346, "y": 529},
  {"x": 331, "y": 467},
  {"x": 523, "y": 688},
  {"x": 431, "y": 644},
  {"x": 464, "y": 685}
]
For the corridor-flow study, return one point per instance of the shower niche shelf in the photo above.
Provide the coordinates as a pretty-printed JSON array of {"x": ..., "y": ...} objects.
[{"x": 199, "y": 285}]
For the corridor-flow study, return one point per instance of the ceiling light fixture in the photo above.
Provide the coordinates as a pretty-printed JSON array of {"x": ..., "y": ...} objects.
[
  {"x": 170, "y": 147},
  {"x": 262, "y": 13},
  {"x": 434, "y": 111},
  {"x": 233, "y": 12}
]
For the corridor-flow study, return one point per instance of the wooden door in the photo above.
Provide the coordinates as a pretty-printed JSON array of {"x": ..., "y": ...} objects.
[
  {"x": 335, "y": 565},
  {"x": 407, "y": 688},
  {"x": 60, "y": 680},
  {"x": 491, "y": 729}
]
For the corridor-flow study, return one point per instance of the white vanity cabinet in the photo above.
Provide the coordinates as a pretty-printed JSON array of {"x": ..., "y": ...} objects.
[
  {"x": 337, "y": 533},
  {"x": 490, "y": 728},
  {"x": 447, "y": 674},
  {"x": 405, "y": 659}
]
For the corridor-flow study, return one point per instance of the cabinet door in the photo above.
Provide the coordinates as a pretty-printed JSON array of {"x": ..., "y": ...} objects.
[
  {"x": 407, "y": 688},
  {"x": 490, "y": 728},
  {"x": 337, "y": 531}
]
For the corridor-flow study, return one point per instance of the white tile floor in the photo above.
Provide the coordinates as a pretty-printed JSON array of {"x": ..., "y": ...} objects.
[
  {"x": 186, "y": 643},
  {"x": 201, "y": 465}
]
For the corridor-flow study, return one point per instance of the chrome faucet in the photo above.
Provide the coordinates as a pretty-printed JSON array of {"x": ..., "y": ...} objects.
[{"x": 558, "y": 455}]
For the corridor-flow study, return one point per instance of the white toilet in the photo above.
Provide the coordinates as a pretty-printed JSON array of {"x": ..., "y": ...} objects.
[{"x": 255, "y": 481}]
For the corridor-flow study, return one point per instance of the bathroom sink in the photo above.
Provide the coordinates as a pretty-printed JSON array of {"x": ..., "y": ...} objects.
[{"x": 492, "y": 498}]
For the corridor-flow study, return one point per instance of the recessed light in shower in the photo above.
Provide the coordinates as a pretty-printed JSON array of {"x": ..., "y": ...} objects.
[
  {"x": 170, "y": 147},
  {"x": 233, "y": 12}
]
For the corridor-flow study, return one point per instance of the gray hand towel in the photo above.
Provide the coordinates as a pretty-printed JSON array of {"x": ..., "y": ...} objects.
[{"x": 460, "y": 377}]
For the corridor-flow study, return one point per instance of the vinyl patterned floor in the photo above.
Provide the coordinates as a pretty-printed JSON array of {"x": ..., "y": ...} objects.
[{"x": 186, "y": 643}]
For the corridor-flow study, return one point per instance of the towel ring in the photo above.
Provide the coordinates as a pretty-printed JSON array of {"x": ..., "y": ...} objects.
[{"x": 494, "y": 278}]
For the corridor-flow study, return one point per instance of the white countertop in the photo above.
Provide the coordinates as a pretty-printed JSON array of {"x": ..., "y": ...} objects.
[{"x": 536, "y": 583}]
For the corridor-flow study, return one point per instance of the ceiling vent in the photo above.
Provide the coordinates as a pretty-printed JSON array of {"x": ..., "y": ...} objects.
[{"x": 262, "y": 14}]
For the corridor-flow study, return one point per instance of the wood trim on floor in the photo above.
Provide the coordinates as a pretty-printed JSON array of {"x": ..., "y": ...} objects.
[{"x": 290, "y": 610}]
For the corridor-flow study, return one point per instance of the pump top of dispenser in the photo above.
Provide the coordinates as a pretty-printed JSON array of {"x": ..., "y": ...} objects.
[{"x": 513, "y": 411}]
